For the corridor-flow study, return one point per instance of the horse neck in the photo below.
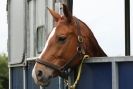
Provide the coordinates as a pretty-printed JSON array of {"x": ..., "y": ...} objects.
[{"x": 91, "y": 45}]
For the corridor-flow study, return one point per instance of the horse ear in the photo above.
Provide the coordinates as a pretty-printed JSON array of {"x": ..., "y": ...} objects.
[
  {"x": 67, "y": 13},
  {"x": 54, "y": 14}
]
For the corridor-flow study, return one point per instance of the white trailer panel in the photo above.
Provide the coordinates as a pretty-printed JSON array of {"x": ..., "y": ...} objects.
[{"x": 16, "y": 31}]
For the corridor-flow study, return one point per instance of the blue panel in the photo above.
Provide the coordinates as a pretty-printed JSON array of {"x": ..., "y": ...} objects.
[
  {"x": 126, "y": 75},
  {"x": 54, "y": 84},
  {"x": 30, "y": 81},
  {"x": 17, "y": 78},
  {"x": 96, "y": 76}
]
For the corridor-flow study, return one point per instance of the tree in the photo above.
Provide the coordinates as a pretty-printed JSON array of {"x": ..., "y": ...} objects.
[{"x": 3, "y": 71}]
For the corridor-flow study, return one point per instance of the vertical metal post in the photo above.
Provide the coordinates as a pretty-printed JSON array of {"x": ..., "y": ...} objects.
[
  {"x": 127, "y": 27},
  {"x": 61, "y": 83},
  {"x": 10, "y": 78},
  {"x": 115, "y": 76},
  {"x": 24, "y": 77},
  {"x": 70, "y": 5},
  {"x": 42, "y": 87}
]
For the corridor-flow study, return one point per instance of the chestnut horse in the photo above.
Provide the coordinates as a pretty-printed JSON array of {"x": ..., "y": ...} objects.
[{"x": 66, "y": 45}]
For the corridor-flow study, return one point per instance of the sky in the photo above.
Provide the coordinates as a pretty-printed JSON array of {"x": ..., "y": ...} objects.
[
  {"x": 3, "y": 27},
  {"x": 105, "y": 20}
]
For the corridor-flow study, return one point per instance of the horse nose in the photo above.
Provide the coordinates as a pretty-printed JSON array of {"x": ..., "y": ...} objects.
[
  {"x": 39, "y": 74},
  {"x": 40, "y": 78}
]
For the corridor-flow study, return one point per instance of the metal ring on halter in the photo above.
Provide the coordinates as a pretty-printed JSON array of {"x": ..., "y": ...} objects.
[
  {"x": 80, "y": 39},
  {"x": 80, "y": 50}
]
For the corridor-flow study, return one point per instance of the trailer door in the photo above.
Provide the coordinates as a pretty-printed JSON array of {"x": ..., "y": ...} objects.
[{"x": 16, "y": 38}]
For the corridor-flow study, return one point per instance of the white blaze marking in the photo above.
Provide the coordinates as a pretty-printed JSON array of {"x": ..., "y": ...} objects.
[
  {"x": 46, "y": 44},
  {"x": 34, "y": 74}
]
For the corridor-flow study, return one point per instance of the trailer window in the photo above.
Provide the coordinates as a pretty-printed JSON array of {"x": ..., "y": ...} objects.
[
  {"x": 41, "y": 24},
  {"x": 106, "y": 20},
  {"x": 40, "y": 38}
]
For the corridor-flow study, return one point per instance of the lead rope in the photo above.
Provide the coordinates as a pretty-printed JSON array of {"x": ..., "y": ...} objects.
[{"x": 78, "y": 75}]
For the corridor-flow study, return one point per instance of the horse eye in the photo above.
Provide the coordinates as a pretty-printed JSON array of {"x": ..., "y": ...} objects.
[{"x": 62, "y": 39}]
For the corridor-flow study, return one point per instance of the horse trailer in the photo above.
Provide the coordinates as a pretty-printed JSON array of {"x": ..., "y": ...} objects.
[{"x": 29, "y": 23}]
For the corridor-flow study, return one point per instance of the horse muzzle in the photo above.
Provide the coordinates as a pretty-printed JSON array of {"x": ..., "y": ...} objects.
[{"x": 40, "y": 77}]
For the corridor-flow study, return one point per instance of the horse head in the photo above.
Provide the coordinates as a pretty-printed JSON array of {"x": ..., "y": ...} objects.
[{"x": 64, "y": 48}]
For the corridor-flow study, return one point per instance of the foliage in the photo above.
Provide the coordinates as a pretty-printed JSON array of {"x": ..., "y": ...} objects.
[{"x": 3, "y": 71}]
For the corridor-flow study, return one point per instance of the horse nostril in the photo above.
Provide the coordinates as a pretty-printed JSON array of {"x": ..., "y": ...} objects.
[{"x": 39, "y": 74}]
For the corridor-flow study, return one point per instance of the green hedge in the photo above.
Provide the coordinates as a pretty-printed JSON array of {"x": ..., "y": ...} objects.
[{"x": 4, "y": 72}]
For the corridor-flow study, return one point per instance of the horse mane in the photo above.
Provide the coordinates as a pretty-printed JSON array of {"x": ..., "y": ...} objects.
[{"x": 90, "y": 43}]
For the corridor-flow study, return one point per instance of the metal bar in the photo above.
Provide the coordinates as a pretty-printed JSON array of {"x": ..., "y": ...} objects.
[
  {"x": 42, "y": 87},
  {"x": 31, "y": 58},
  {"x": 115, "y": 82},
  {"x": 61, "y": 83},
  {"x": 70, "y": 5},
  {"x": 17, "y": 65},
  {"x": 109, "y": 59},
  {"x": 127, "y": 27},
  {"x": 10, "y": 79},
  {"x": 99, "y": 59},
  {"x": 9, "y": 31},
  {"x": 24, "y": 78}
]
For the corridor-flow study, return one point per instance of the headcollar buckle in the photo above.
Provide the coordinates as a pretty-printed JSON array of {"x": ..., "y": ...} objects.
[{"x": 80, "y": 39}]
